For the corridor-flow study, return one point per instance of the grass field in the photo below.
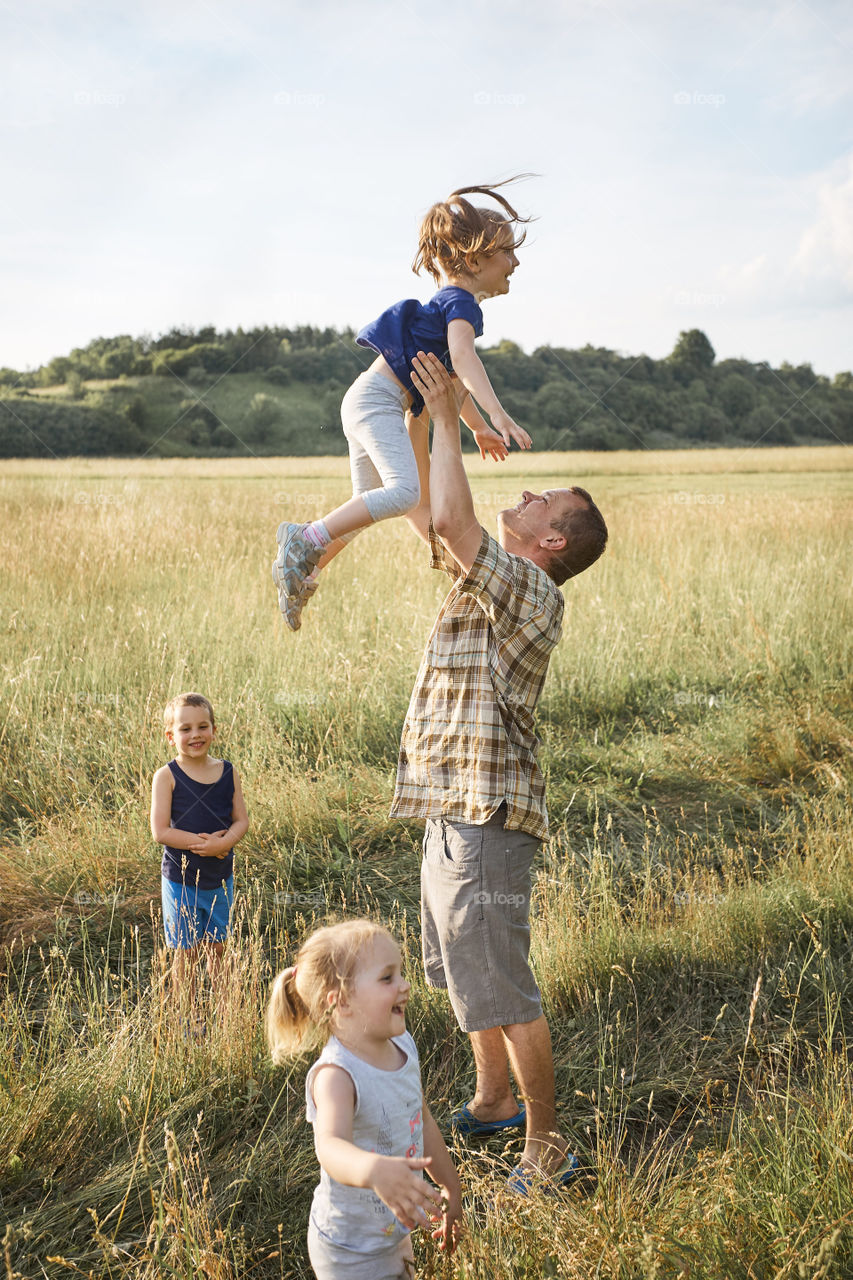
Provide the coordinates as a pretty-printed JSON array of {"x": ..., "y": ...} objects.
[{"x": 694, "y": 905}]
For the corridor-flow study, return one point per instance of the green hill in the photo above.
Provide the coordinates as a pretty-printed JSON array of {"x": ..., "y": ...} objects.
[{"x": 278, "y": 391}]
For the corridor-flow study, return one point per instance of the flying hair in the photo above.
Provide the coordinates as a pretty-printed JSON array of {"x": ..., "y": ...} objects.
[{"x": 454, "y": 231}]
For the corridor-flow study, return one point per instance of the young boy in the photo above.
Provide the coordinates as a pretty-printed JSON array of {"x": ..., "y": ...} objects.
[{"x": 198, "y": 814}]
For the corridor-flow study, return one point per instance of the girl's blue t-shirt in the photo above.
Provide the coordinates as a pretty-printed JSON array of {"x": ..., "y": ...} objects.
[
  {"x": 199, "y": 806},
  {"x": 411, "y": 326}
]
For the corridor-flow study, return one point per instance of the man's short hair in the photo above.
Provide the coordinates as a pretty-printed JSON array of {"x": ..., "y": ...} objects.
[{"x": 586, "y": 537}]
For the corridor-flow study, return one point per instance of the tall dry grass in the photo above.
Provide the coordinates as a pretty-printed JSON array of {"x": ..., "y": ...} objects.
[{"x": 693, "y": 907}]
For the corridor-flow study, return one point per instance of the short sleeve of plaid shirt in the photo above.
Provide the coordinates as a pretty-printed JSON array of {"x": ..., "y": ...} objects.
[{"x": 469, "y": 741}]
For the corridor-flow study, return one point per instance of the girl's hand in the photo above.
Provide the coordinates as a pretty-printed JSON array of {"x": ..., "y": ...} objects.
[
  {"x": 408, "y": 1196},
  {"x": 449, "y": 1221},
  {"x": 510, "y": 430},
  {"x": 489, "y": 442}
]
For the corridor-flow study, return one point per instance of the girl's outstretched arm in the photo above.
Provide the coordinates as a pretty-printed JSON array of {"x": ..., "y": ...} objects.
[
  {"x": 443, "y": 1172},
  {"x": 396, "y": 1180},
  {"x": 469, "y": 368},
  {"x": 488, "y": 441}
]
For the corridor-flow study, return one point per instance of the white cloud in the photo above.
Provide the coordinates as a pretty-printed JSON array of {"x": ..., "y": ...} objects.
[
  {"x": 825, "y": 252},
  {"x": 806, "y": 256}
]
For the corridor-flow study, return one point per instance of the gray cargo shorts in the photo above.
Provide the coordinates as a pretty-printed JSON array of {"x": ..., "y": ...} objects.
[{"x": 475, "y": 925}]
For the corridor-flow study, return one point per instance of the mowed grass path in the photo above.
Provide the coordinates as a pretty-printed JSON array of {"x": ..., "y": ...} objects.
[{"x": 694, "y": 906}]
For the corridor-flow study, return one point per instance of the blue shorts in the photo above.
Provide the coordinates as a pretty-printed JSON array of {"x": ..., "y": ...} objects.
[{"x": 191, "y": 914}]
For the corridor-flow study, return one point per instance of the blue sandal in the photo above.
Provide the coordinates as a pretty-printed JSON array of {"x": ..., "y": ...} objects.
[
  {"x": 464, "y": 1124},
  {"x": 523, "y": 1181}
]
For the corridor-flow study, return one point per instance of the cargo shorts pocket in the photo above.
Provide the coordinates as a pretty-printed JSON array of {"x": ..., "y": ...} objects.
[{"x": 461, "y": 850}]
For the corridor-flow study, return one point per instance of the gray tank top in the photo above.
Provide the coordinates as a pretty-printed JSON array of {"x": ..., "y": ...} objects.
[{"x": 388, "y": 1119}]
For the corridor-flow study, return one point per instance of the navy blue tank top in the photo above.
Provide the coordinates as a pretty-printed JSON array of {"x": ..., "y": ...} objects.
[{"x": 199, "y": 806}]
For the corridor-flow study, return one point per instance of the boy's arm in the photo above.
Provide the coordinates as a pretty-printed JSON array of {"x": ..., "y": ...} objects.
[
  {"x": 469, "y": 368},
  {"x": 443, "y": 1172},
  {"x": 220, "y": 844},
  {"x": 239, "y": 815},
  {"x": 395, "y": 1179},
  {"x": 161, "y": 814}
]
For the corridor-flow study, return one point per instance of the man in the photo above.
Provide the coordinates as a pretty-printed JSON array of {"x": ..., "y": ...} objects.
[{"x": 468, "y": 766}]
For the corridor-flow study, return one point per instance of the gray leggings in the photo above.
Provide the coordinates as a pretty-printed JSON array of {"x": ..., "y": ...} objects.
[{"x": 381, "y": 458}]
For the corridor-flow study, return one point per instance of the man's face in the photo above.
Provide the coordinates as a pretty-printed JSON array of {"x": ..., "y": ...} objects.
[{"x": 523, "y": 527}]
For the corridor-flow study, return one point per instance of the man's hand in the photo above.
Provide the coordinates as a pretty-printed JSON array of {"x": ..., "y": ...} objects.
[
  {"x": 398, "y": 1184},
  {"x": 442, "y": 394}
]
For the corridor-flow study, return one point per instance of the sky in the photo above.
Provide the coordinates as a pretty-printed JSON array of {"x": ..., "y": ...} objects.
[{"x": 253, "y": 162}]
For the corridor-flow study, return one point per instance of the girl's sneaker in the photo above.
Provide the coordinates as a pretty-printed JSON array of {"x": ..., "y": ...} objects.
[
  {"x": 295, "y": 560},
  {"x": 293, "y": 605}
]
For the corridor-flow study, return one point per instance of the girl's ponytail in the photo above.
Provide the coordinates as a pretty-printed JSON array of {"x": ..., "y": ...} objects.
[
  {"x": 288, "y": 1019},
  {"x": 303, "y": 997}
]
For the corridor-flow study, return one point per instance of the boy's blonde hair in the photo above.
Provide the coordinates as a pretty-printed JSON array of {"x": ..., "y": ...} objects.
[
  {"x": 185, "y": 700},
  {"x": 455, "y": 230},
  {"x": 299, "y": 1010}
]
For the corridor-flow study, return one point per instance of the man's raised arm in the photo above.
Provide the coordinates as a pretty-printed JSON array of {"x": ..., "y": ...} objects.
[
  {"x": 451, "y": 503},
  {"x": 418, "y": 429}
]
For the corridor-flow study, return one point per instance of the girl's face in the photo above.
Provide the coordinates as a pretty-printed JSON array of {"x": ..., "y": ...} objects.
[
  {"x": 491, "y": 273},
  {"x": 376, "y": 1005}
]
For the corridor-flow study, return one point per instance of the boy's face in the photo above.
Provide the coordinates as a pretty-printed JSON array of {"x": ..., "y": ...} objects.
[{"x": 192, "y": 732}]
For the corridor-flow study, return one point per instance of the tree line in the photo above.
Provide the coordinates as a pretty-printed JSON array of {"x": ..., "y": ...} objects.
[{"x": 277, "y": 391}]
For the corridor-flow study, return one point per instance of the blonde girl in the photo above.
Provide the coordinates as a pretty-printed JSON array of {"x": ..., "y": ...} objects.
[
  {"x": 470, "y": 251},
  {"x": 373, "y": 1133}
]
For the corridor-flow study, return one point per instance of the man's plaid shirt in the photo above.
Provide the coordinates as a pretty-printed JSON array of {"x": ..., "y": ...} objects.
[{"x": 468, "y": 741}]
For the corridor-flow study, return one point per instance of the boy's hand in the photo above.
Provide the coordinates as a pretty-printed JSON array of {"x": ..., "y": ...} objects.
[
  {"x": 489, "y": 442},
  {"x": 449, "y": 1221},
  {"x": 509, "y": 430},
  {"x": 211, "y": 846},
  {"x": 409, "y": 1197}
]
